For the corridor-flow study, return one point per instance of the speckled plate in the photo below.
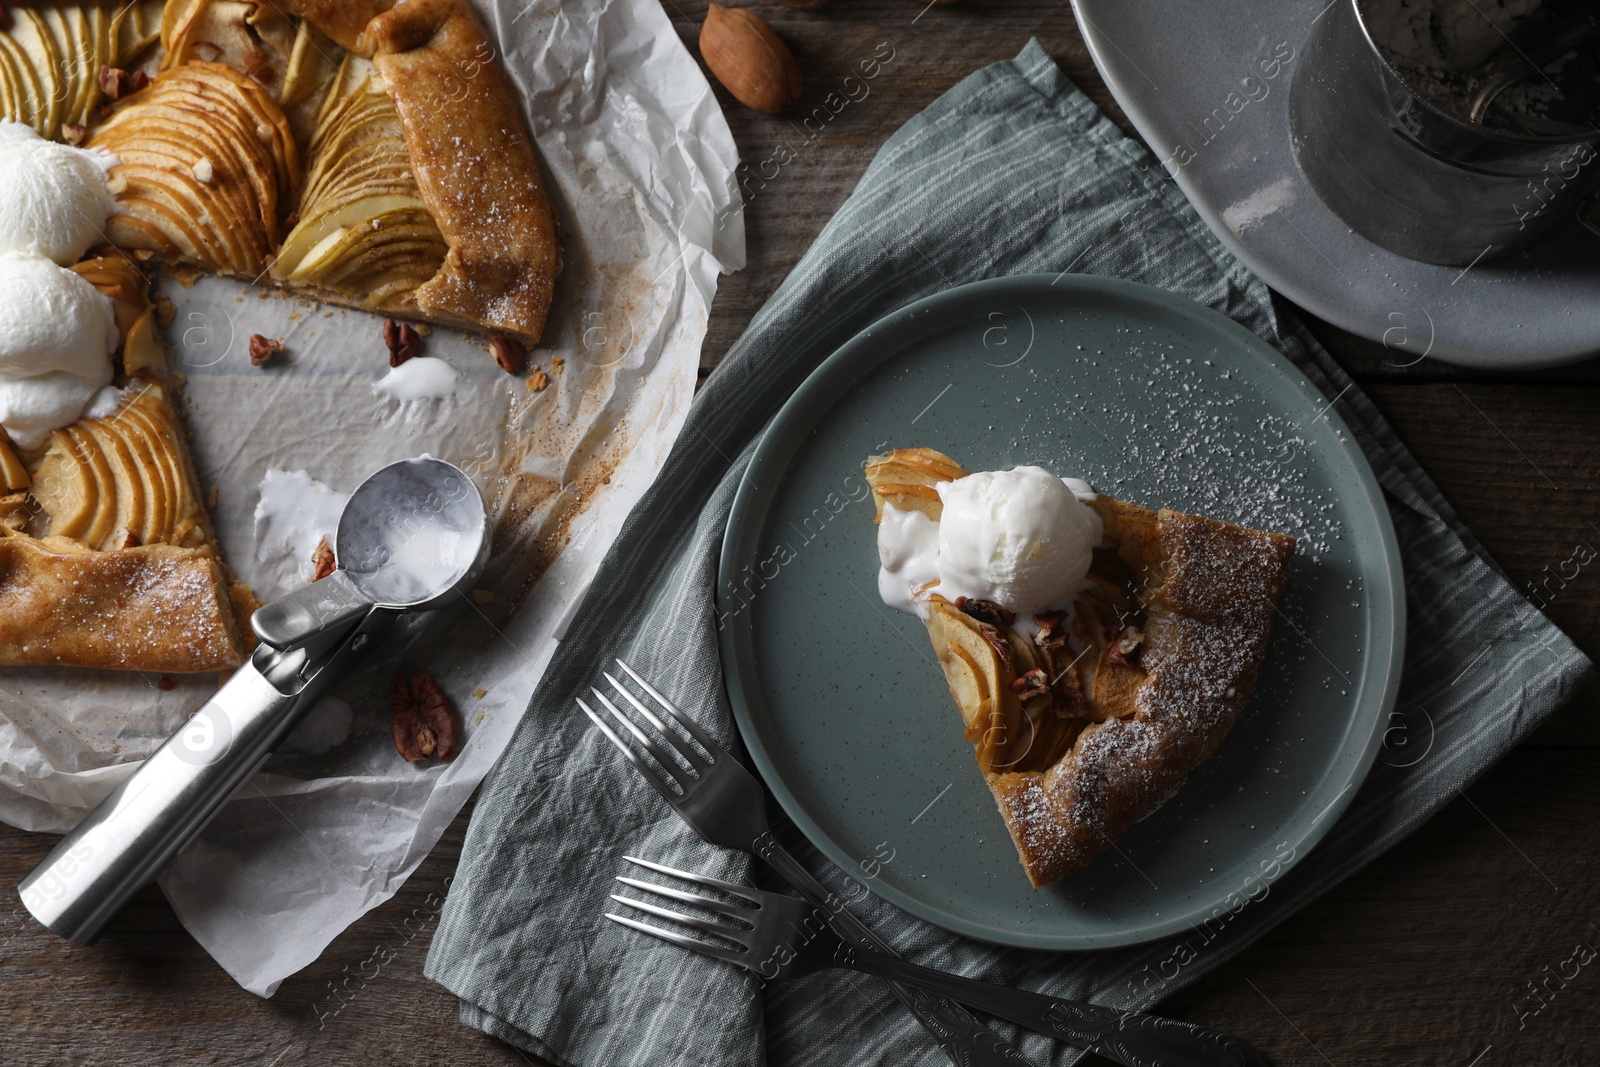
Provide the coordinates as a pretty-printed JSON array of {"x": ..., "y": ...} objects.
[{"x": 1153, "y": 399}]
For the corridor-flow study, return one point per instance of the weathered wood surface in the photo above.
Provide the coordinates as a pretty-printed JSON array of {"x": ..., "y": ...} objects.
[{"x": 1426, "y": 958}]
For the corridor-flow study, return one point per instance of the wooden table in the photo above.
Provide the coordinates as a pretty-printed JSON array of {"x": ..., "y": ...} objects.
[{"x": 1428, "y": 957}]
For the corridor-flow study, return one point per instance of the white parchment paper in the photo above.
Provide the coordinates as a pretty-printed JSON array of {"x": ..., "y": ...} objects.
[{"x": 641, "y": 163}]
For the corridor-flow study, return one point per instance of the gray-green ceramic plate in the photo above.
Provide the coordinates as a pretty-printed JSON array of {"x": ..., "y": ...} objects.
[{"x": 1153, "y": 399}]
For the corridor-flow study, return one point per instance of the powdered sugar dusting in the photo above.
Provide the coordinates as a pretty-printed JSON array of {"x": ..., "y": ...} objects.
[
  {"x": 1205, "y": 638},
  {"x": 1194, "y": 452}
]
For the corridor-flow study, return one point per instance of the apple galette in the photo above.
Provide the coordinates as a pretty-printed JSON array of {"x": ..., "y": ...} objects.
[
  {"x": 366, "y": 153},
  {"x": 1098, "y": 651}
]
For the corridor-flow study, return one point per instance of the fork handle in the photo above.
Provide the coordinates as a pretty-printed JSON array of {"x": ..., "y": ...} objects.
[
  {"x": 1127, "y": 1037},
  {"x": 966, "y": 1041}
]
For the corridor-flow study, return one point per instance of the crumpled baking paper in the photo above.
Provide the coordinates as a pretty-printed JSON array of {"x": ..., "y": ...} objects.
[{"x": 640, "y": 162}]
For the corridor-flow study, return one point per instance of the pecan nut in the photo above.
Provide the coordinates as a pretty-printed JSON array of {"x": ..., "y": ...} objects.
[
  {"x": 117, "y": 83},
  {"x": 424, "y": 725},
  {"x": 1126, "y": 647},
  {"x": 1052, "y": 630},
  {"x": 986, "y": 611},
  {"x": 1067, "y": 701},
  {"x": 998, "y": 642},
  {"x": 322, "y": 561},
  {"x": 401, "y": 340},
  {"x": 508, "y": 353},
  {"x": 263, "y": 348},
  {"x": 1031, "y": 684},
  {"x": 257, "y": 67}
]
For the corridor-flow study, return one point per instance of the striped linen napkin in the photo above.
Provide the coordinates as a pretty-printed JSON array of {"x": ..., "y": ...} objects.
[{"x": 1013, "y": 171}]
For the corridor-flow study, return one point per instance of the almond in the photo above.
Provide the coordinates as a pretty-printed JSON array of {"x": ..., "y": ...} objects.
[{"x": 749, "y": 59}]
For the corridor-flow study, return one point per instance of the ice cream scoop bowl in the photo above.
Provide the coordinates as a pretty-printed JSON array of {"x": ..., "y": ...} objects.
[{"x": 412, "y": 538}]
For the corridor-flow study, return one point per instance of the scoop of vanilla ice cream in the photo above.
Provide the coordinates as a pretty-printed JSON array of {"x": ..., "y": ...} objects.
[
  {"x": 57, "y": 333},
  {"x": 31, "y": 407},
  {"x": 56, "y": 198},
  {"x": 1019, "y": 538}
]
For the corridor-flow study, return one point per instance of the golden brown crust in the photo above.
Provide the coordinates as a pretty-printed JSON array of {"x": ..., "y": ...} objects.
[
  {"x": 155, "y": 608},
  {"x": 1210, "y": 592},
  {"x": 475, "y": 166},
  {"x": 343, "y": 21},
  {"x": 1205, "y": 638},
  {"x": 108, "y": 560}
]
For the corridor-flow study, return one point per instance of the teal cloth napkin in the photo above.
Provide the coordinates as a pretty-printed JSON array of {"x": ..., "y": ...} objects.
[{"x": 1014, "y": 171}]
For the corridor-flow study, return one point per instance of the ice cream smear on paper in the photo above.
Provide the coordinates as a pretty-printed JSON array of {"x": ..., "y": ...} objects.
[
  {"x": 1022, "y": 539},
  {"x": 418, "y": 378},
  {"x": 293, "y": 513},
  {"x": 326, "y": 726}
]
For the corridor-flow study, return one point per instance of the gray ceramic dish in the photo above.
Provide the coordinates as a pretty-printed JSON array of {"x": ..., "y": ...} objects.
[
  {"x": 1153, "y": 399},
  {"x": 1207, "y": 85}
]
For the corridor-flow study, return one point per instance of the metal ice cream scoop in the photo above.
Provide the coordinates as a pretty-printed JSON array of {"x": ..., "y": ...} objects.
[{"x": 413, "y": 536}]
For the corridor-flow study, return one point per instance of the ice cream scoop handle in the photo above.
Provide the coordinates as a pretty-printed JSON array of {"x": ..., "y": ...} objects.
[{"x": 121, "y": 846}]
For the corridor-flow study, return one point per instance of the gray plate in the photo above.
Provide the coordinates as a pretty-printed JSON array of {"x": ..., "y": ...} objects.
[
  {"x": 1153, "y": 399},
  {"x": 1177, "y": 67}
]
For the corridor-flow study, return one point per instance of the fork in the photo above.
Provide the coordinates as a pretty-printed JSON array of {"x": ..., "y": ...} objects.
[
  {"x": 783, "y": 937},
  {"x": 725, "y": 804}
]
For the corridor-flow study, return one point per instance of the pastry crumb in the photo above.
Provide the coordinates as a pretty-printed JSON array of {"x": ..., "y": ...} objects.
[{"x": 165, "y": 312}]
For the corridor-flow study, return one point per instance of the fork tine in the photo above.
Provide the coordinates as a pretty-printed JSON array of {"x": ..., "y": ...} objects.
[
  {"x": 683, "y": 720},
  {"x": 633, "y": 757},
  {"x": 646, "y": 712},
  {"x": 699, "y": 879},
  {"x": 732, "y": 911},
  {"x": 668, "y": 764},
  {"x": 693, "y": 922},
  {"x": 721, "y": 952},
  {"x": 695, "y": 760}
]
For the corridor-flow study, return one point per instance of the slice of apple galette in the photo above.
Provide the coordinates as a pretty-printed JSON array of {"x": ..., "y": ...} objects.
[
  {"x": 107, "y": 554},
  {"x": 1098, "y": 651},
  {"x": 368, "y": 153}
]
